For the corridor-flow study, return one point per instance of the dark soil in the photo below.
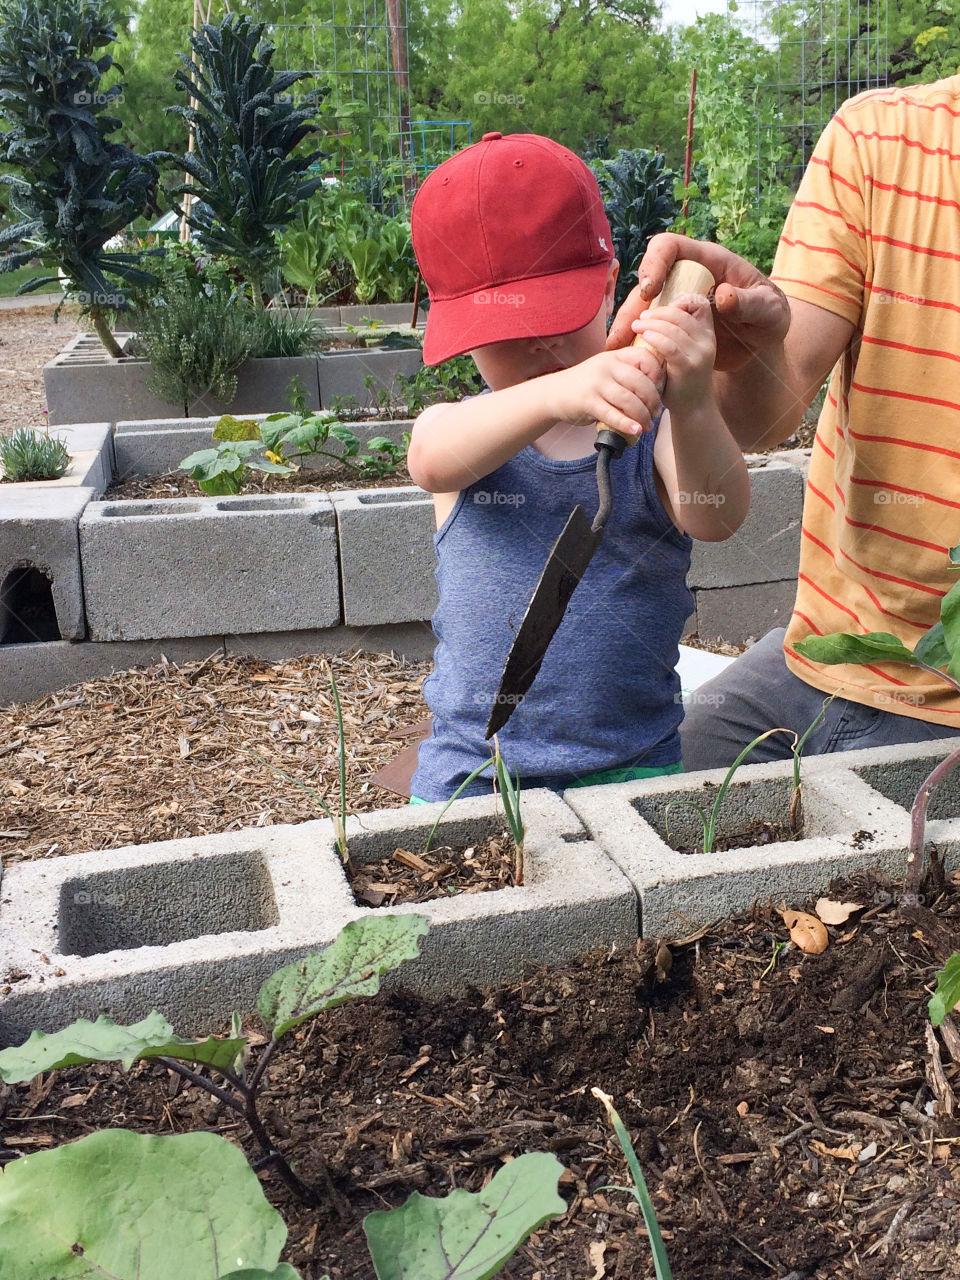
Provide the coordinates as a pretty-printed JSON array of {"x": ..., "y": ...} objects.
[
  {"x": 439, "y": 873},
  {"x": 781, "y": 1113},
  {"x": 175, "y": 484},
  {"x": 759, "y": 832}
]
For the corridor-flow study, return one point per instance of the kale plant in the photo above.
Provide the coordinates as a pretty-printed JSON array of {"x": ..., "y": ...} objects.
[
  {"x": 74, "y": 188},
  {"x": 638, "y": 196},
  {"x": 248, "y": 172}
]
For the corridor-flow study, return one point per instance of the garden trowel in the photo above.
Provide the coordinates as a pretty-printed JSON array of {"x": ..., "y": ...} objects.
[{"x": 572, "y": 551}]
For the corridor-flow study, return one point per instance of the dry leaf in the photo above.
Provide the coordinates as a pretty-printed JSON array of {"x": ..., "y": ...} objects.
[
  {"x": 840, "y": 1153},
  {"x": 595, "y": 1252},
  {"x": 743, "y": 1109},
  {"x": 806, "y": 931},
  {"x": 831, "y": 912},
  {"x": 829, "y": 1031}
]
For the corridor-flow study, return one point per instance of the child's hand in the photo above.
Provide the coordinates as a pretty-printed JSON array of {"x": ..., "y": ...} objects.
[
  {"x": 620, "y": 388},
  {"x": 683, "y": 334}
]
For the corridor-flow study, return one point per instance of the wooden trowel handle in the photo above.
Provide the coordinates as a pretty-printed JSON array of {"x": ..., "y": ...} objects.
[{"x": 683, "y": 277}]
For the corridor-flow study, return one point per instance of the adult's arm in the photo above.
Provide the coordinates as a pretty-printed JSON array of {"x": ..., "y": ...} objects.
[{"x": 773, "y": 353}]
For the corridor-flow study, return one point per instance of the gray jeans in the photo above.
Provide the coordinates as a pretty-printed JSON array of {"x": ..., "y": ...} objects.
[{"x": 757, "y": 692}]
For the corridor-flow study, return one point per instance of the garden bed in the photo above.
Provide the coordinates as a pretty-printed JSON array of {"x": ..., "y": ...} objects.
[
  {"x": 176, "y": 484},
  {"x": 780, "y": 1105}
]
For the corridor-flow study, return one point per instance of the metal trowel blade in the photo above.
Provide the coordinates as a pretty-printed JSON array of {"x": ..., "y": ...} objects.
[{"x": 569, "y": 557}]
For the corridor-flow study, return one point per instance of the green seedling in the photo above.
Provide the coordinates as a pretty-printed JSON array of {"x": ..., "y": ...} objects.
[
  {"x": 937, "y": 651},
  {"x": 350, "y": 967},
  {"x": 32, "y": 455},
  {"x": 509, "y": 791},
  {"x": 294, "y": 435},
  {"x": 339, "y": 819},
  {"x": 777, "y": 948},
  {"x": 639, "y": 1190},
  {"x": 709, "y": 821}
]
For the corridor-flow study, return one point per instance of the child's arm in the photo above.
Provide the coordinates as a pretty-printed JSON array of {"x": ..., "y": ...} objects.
[
  {"x": 700, "y": 466},
  {"x": 453, "y": 445}
]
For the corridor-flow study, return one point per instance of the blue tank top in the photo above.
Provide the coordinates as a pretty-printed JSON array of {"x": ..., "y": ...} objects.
[{"x": 607, "y": 695}]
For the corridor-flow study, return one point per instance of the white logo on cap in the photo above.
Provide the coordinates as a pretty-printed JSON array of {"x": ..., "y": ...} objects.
[{"x": 603, "y": 245}]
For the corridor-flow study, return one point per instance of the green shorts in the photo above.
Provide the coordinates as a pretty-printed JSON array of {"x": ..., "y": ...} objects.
[{"x": 605, "y": 776}]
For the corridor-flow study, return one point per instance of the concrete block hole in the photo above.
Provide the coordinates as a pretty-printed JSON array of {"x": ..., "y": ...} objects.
[
  {"x": 27, "y": 612},
  {"x": 900, "y": 781},
  {"x": 151, "y": 906},
  {"x": 746, "y": 807}
]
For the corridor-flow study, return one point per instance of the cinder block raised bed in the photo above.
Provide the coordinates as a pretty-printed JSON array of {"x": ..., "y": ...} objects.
[
  {"x": 85, "y": 384},
  {"x": 193, "y": 927},
  {"x": 158, "y": 445},
  {"x": 851, "y": 823},
  {"x": 90, "y": 446},
  {"x": 386, "y": 555},
  {"x": 205, "y": 566}
]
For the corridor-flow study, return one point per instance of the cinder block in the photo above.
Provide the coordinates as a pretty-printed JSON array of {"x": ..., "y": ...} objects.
[
  {"x": 386, "y": 312},
  {"x": 342, "y": 373},
  {"x": 32, "y": 671},
  {"x": 738, "y": 614},
  {"x": 848, "y": 827},
  {"x": 193, "y": 927},
  {"x": 38, "y": 530},
  {"x": 190, "y": 927},
  {"x": 90, "y": 445},
  {"x": 766, "y": 547},
  {"x": 206, "y": 566},
  {"x": 264, "y": 386},
  {"x": 387, "y": 561},
  {"x": 84, "y": 384}
]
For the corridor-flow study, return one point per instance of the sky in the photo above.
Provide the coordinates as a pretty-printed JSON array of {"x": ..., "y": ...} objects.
[{"x": 685, "y": 11}]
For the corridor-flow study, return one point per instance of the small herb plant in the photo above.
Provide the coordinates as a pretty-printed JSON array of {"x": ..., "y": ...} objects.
[
  {"x": 351, "y": 966},
  {"x": 32, "y": 455},
  {"x": 937, "y": 651}
]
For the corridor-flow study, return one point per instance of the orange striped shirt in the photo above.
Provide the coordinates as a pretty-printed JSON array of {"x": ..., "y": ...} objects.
[{"x": 874, "y": 236}]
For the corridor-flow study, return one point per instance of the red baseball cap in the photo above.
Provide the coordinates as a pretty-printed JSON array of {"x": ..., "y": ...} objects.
[{"x": 512, "y": 241}]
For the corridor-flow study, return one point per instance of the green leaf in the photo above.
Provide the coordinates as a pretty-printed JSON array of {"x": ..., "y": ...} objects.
[
  {"x": 465, "y": 1235},
  {"x": 955, "y": 556},
  {"x": 947, "y": 994},
  {"x": 107, "y": 1041},
  {"x": 840, "y": 646},
  {"x": 273, "y": 468},
  {"x": 230, "y": 428},
  {"x": 950, "y": 617},
  {"x": 348, "y": 438},
  {"x": 382, "y": 444},
  {"x": 136, "y": 1207},
  {"x": 349, "y": 967},
  {"x": 932, "y": 648},
  {"x": 202, "y": 458}
]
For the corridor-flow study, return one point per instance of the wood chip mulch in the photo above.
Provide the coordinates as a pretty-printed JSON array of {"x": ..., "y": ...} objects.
[{"x": 167, "y": 751}]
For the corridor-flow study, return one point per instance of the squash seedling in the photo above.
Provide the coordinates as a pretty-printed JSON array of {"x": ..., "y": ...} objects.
[{"x": 349, "y": 967}]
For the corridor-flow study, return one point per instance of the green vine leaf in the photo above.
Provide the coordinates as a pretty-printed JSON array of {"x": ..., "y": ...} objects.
[
  {"x": 947, "y": 995},
  {"x": 465, "y": 1235},
  {"x": 840, "y": 646},
  {"x": 136, "y": 1207},
  {"x": 351, "y": 966},
  {"x": 106, "y": 1041}
]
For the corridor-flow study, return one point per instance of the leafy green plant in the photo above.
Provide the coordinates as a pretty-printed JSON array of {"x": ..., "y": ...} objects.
[
  {"x": 61, "y": 1213},
  {"x": 639, "y": 1190},
  {"x": 32, "y": 455},
  {"x": 639, "y": 201},
  {"x": 436, "y": 384},
  {"x": 509, "y": 791},
  {"x": 223, "y": 469},
  {"x": 307, "y": 247},
  {"x": 349, "y": 967},
  {"x": 294, "y": 435},
  {"x": 72, "y": 188},
  {"x": 248, "y": 171},
  {"x": 947, "y": 995}
]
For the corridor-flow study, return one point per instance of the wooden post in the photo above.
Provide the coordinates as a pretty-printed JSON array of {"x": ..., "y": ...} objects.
[
  {"x": 398, "y": 58},
  {"x": 198, "y": 20},
  {"x": 688, "y": 153}
]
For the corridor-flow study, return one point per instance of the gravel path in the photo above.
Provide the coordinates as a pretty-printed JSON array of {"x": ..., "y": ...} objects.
[{"x": 28, "y": 339}]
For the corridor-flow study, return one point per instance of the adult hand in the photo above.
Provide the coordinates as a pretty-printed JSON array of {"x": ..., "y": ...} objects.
[{"x": 751, "y": 312}]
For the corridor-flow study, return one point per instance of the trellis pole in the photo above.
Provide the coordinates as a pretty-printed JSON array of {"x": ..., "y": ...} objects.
[{"x": 199, "y": 19}]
